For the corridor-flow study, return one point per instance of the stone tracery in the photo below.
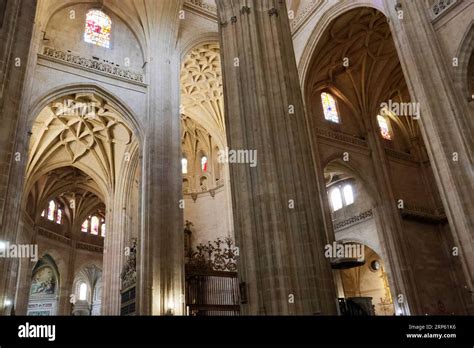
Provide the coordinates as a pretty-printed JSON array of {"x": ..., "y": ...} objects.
[
  {"x": 201, "y": 89},
  {"x": 80, "y": 128}
]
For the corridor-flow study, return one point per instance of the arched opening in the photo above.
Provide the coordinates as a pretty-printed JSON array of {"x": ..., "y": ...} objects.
[
  {"x": 355, "y": 62},
  {"x": 82, "y": 173},
  {"x": 361, "y": 289},
  {"x": 207, "y": 197},
  {"x": 364, "y": 289},
  {"x": 44, "y": 288},
  {"x": 207, "y": 200},
  {"x": 86, "y": 299}
]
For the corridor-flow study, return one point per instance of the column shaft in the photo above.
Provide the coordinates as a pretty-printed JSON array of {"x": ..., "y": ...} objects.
[
  {"x": 443, "y": 124},
  {"x": 15, "y": 37},
  {"x": 161, "y": 244},
  {"x": 277, "y": 211}
]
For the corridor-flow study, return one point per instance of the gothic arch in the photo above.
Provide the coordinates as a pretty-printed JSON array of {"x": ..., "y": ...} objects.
[
  {"x": 376, "y": 281},
  {"x": 354, "y": 168},
  {"x": 202, "y": 91},
  {"x": 361, "y": 32},
  {"x": 47, "y": 260},
  {"x": 45, "y": 287},
  {"x": 91, "y": 275},
  {"x": 197, "y": 41},
  {"x": 63, "y": 185},
  {"x": 59, "y": 262},
  {"x": 365, "y": 242},
  {"x": 132, "y": 120},
  {"x": 107, "y": 177},
  {"x": 370, "y": 71},
  {"x": 105, "y": 140},
  {"x": 326, "y": 19},
  {"x": 465, "y": 54},
  {"x": 50, "y": 8},
  {"x": 101, "y": 193},
  {"x": 84, "y": 270},
  {"x": 373, "y": 234}
]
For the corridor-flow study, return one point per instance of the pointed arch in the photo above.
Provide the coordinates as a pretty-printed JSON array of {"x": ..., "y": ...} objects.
[
  {"x": 43, "y": 299},
  {"x": 465, "y": 53}
]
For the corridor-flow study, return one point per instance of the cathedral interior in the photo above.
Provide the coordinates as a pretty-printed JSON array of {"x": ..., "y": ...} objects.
[{"x": 236, "y": 157}]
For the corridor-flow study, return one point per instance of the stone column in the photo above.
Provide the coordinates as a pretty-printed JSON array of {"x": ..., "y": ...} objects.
[
  {"x": 65, "y": 304},
  {"x": 16, "y": 26},
  {"x": 114, "y": 251},
  {"x": 278, "y": 217},
  {"x": 398, "y": 266},
  {"x": 119, "y": 230},
  {"x": 443, "y": 124},
  {"x": 160, "y": 261}
]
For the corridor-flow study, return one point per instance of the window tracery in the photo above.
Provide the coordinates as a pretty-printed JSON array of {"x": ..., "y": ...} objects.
[
  {"x": 330, "y": 108},
  {"x": 98, "y": 28}
]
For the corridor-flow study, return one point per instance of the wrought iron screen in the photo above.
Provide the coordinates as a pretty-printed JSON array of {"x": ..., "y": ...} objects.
[{"x": 212, "y": 285}]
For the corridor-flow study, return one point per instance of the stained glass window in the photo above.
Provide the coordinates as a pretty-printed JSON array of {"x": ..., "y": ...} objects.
[
  {"x": 336, "y": 199},
  {"x": 59, "y": 216},
  {"x": 85, "y": 226},
  {"x": 348, "y": 195},
  {"x": 384, "y": 129},
  {"x": 51, "y": 210},
  {"x": 329, "y": 107},
  {"x": 83, "y": 292},
  {"x": 102, "y": 230},
  {"x": 204, "y": 163},
  {"x": 98, "y": 28},
  {"x": 95, "y": 225},
  {"x": 184, "y": 165}
]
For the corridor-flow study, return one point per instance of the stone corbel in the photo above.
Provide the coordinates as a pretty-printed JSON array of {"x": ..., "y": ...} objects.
[{"x": 233, "y": 19}]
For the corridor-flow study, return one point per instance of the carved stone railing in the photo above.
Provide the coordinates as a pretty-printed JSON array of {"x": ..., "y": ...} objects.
[
  {"x": 304, "y": 14},
  {"x": 65, "y": 240},
  {"x": 440, "y": 6},
  {"x": 54, "y": 236},
  {"x": 212, "y": 191},
  {"x": 201, "y": 5},
  {"x": 92, "y": 65},
  {"x": 400, "y": 155},
  {"x": 422, "y": 214},
  {"x": 89, "y": 247},
  {"x": 354, "y": 220},
  {"x": 341, "y": 137},
  {"x": 220, "y": 255}
]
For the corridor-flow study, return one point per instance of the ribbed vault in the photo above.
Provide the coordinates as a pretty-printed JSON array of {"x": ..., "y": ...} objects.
[
  {"x": 201, "y": 90},
  {"x": 75, "y": 192},
  {"x": 83, "y": 131},
  {"x": 356, "y": 60}
]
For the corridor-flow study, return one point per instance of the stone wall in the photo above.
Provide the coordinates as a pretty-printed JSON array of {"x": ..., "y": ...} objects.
[{"x": 209, "y": 215}]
